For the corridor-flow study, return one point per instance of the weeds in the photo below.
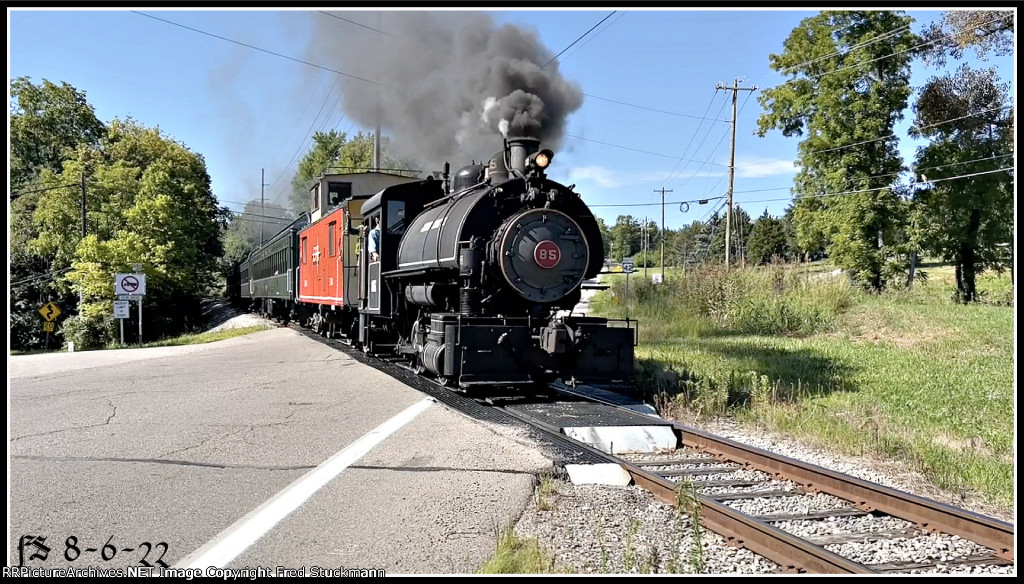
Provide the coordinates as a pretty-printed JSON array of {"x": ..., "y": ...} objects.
[
  {"x": 629, "y": 553},
  {"x": 600, "y": 542},
  {"x": 545, "y": 491},
  {"x": 688, "y": 502},
  {"x": 514, "y": 555}
]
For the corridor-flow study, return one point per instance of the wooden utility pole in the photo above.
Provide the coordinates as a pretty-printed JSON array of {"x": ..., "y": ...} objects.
[
  {"x": 81, "y": 292},
  {"x": 376, "y": 126},
  {"x": 662, "y": 191},
  {"x": 263, "y": 179},
  {"x": 83, "y": 204},
  {"x": 643, "y": 235},
  {"x": 732, "y": 158}
]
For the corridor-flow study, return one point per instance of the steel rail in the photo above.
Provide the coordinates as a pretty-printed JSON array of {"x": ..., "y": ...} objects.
[
  {"x": 790, "y": 552},
  {"x": 926, "y": 513}
]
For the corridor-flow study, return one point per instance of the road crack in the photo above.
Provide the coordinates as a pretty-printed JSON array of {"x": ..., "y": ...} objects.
[{"x": 166, "y": 461}]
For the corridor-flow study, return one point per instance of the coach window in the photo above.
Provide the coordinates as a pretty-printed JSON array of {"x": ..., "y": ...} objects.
[
  {"x": 396, "y": 217},
  {"x": 330, "y": 238}
]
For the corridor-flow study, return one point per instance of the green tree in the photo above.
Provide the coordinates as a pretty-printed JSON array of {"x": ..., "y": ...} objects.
[
  {"x": 768, "y": 240},
  {"x": 625, "y": 237},
  {"x": 336, "y": 152},
  {"x": 48, "y": 122},
  {"x": 968, "y": 221},
  {"x": 149, "y": 202},
  {"x": 849, "y": 84},
  {"x": 606, "y": 236}
]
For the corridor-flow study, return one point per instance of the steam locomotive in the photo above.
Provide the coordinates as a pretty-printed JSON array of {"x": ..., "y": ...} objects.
[{"x": 470, "y": 282}]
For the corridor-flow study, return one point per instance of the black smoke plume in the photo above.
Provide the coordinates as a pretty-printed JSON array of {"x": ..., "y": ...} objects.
[{"x": 449, "y": 84}]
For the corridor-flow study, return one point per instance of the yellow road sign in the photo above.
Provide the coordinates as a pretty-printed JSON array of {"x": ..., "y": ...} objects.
[
  {"x": 48, "y": 327},
  {"x": 49, "y": 311}
]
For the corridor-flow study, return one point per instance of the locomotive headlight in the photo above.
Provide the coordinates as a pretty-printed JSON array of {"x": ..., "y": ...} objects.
[{"x": 543, "y": 158}]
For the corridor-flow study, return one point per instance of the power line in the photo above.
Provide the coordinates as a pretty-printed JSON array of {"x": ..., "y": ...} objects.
[
  {"x": 255, "y": 48},
  {"x": 706, "y": 160},
  {"x": 915, "y": 183},
  {"x": 594, "y": 36},
  {"x": 887, "y": 136},
  {"x": 40, "y": 277},
  {"x": 20, "y": 193},
  {"x": 580, "y": 38},
  {"x": 309, "y": 132},
  {"x": 841, "y": 193},
  {"x": 700, "y": 201},
  {"x": 354, "y": 22},
  {"x": 715, "y": 149},
  {"x": 846, "y": 51},
  {"x": 673, "y": 157},
  {"x": 692, "y": 136},
  {"x": 257, "y": 215},
  {"x": 660, "y": 111}
]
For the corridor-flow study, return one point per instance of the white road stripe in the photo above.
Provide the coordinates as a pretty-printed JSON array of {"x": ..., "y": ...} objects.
[{"x": 234, "y": 540}]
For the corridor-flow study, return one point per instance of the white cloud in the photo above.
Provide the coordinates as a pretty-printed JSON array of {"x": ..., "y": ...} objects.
[{"x": 760, "y": 167}]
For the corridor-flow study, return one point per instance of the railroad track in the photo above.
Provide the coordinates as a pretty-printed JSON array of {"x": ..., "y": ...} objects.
[{"x": 803, "y": 517}]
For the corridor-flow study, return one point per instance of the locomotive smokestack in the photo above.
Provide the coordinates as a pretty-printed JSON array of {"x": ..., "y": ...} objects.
[{"x": 519, "y": 150}]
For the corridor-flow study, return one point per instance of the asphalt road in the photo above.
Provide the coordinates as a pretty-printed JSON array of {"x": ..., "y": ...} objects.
[{"x": 178, "y": 444}]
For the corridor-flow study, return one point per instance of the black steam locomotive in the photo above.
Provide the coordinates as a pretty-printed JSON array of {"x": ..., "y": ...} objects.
[{"x": 468, "y": 281}]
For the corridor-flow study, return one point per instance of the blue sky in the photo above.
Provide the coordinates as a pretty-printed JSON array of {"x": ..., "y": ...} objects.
[{"x": 243, "y": 109}]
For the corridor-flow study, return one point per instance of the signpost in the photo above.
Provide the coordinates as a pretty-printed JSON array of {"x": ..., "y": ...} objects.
[
  {"x": 130, "y": 287},
  {"x": 121, "y": 310},
  {"x": 627, "y": 266},
  {"x": 49, "y": 312}
]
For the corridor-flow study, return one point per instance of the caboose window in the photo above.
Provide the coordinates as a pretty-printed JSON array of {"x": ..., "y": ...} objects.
[
  {"x": 330, "y": 238},
  {"x": 315, "y": 192},
  {"x": 303, "y": 250},
  {"x": 338, "y": 192}
]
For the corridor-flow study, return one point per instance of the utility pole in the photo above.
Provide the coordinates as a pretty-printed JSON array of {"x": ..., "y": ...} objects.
[
  {"x": 662, "y": 191},
  {"x": 376, "y": 126},
  {"x": 732, "y": 157},
  {"x": 83, "y": 203},
  {"x": 643, "y": 234},
  {"x": 81, "y": 292},
  {"x": 263, "y": 183}
]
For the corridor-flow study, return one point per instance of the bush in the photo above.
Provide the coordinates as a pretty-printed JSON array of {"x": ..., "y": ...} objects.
[{"x": 89, "y": 332}]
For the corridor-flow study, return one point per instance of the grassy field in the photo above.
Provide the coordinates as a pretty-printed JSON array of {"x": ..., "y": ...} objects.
[{"x": 908, "y": 375}]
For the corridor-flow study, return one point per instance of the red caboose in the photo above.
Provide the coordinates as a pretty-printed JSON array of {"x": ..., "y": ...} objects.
[{"x": 327, "y": 278}]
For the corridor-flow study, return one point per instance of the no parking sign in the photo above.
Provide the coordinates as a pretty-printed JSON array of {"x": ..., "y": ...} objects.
[{"x": 130, "y": 284}]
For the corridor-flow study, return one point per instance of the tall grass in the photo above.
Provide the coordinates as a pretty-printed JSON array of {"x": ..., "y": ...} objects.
[
  {"x": 767, "y": 301},
  {"x": 908, "y": 374}
]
